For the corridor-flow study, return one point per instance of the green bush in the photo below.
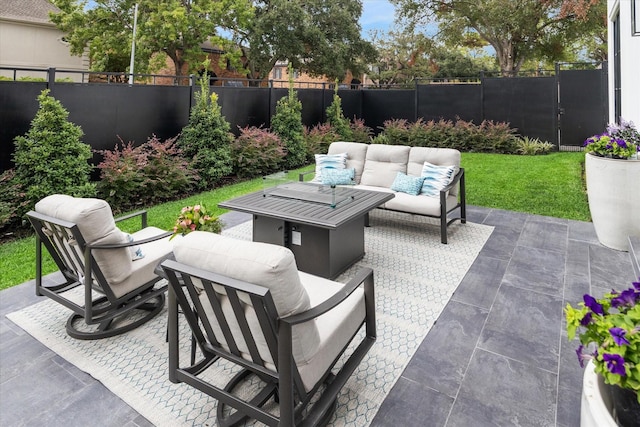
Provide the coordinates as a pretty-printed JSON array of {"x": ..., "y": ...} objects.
[
  {"x": 12, "y": 202},
  {"x": 318, "y": 138},
  {"x": 50, "y": 158},
  {"x": 153, "y": 172},
  {"x": 336, "y": 118},
  {"x": 206, "y": 140},
  {"x": 488, "y": 137},
  {"x": 360, "y": 132},
  {"x": 287, "y": 124},
  {"x": 533, "y": 146},
  {"x": 257, "y": 152}
]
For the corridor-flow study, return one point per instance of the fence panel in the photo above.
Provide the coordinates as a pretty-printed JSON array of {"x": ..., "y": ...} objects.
[
  {"x": 448, "y": 101},
  {"x": 529, "y": 104},
  {"x": 381, "y": 105}
]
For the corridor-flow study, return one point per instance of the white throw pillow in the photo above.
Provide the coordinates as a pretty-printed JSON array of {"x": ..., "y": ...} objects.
[
  {"x": 436, "y": 178},
  {"x": 329, "y": 161}
]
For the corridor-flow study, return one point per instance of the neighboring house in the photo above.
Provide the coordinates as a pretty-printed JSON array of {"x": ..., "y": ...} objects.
[
  {"x": 28, "y": 39},
  {"x": 624, "y": 60},
  {"x": 279, "y": 75}
]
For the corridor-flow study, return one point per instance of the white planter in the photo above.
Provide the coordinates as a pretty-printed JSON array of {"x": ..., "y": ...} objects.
[
  {"x": 613, "y": 188},
  {"x": 595, "y": 409}
]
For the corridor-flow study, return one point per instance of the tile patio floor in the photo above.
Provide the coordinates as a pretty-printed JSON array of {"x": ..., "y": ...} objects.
[{"x": 497, "y": 356}]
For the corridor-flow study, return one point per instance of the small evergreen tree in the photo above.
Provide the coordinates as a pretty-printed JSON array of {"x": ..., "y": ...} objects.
[
  {"x": 206, "y": 140},
  {"x": 336, "y": 119},
  {"x": 287, "y": 124},
  {"x": 50, "y": 158}
]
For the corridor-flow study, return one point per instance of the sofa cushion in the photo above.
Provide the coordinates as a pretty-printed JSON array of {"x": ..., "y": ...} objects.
[
  {"x": 382, "y": 164},
  {"x": 262, "y": 264},
  {"x": 407, "y": 184},
  {"x": 356, "y": 155},
  {"x": 97, "y": 226},
  {"x": 338, "y": 176},
  {"x": 328, "y": 162},
  {"x": 421, "y": 205}
]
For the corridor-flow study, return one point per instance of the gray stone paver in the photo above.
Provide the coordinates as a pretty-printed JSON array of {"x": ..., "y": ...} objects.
[{"x": 453, "y": 380}]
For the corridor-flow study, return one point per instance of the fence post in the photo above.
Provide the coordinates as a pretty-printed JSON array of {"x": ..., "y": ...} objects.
[
  {"x": 192, "y": 83},
  {"x": 51, "y": 80},
  {"x": 481, "y": 96},
  {"x": 558, "y": 110},
  {"x": 415, "y": 101}
]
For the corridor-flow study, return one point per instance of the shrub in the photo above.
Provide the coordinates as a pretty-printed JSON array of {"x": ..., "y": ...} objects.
[
  {"x": 336, "y": 118},
  {"x": 153, "y": 172},
  {"x": 257, "y": 152},
  {"x": 533, "y": 146},
  {"x": 12, "y": 202},
  {"x": 287, "y": 124},
  {"x": 360, "y": 132},
  {"x": 206, "y": 140},
  {"x": 318, "y": 138},
  {"x": 488, "y": 137},
  {"x": 50, "y": 158}
]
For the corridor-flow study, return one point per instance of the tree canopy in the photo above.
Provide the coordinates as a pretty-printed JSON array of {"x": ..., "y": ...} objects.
[
  {"x": 321, "y": 37},
  {"x": 176, "y": 28},
  {"x": 518, "y": 30}
]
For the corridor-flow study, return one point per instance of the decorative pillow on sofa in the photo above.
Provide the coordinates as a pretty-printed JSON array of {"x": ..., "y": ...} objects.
[
  {"x": 407, "y": 184},
  {"x": 329, "y": 161},
  {"x": 436, "y": 178},
  {"x": 338, "y": 176}
]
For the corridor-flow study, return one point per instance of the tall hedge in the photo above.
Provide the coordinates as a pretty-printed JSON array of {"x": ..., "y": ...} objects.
[{"x": 287, "y": 124}]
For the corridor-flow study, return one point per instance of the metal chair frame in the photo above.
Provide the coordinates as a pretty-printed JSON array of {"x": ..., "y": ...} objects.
[
  {"x": 58, "y": 237},
  {"x": 284, "y": 383}
]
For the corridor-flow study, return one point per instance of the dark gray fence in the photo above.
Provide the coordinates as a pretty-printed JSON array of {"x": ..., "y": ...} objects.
[{"x": 107, "y": 112}]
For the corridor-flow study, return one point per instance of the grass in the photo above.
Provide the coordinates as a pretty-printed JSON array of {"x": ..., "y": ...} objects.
[{"x": 550, "y": 185}]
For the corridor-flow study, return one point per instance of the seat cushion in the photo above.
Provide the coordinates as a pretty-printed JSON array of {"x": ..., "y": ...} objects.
[
  {"x": 261, "y": 264},
  {"x": 356, "y": 155},
  {"x": 382, "y": 164},
  {"x": 420, "y": 204},
  {"x": 97, "y": 226},
  {"x": 336, "y": 327}
]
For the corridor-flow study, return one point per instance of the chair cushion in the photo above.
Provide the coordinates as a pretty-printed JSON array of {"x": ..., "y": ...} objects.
[
  {"x": 420, "y": 204},
  {"x": 261, "y": 264},
  {"x": 96, "y": 224},
  {"x": 383, "y": 163},
  {"x": 407, "y": 184},
  {"x": 356, "y": 155}
]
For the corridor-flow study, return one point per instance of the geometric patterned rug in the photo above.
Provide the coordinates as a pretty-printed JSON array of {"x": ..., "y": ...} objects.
[{"x": 415, "y": 276}]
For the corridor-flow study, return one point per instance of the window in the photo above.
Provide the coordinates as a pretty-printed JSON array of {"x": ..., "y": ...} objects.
[{"x": 277, "y": 73}]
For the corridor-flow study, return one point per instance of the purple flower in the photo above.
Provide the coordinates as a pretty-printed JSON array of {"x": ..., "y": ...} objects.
[
  {"x": 593, "y": 305},
  {"x": 618, "y": 336},
  {"x": 615, "y": 364},
  {"x": 586, "y": 319},
  {"x": 582, "y": 357},
  {"x": 637, "y": 284},
  {"x": 627, "y": 297},
  {"x": 621, "y": 143}
]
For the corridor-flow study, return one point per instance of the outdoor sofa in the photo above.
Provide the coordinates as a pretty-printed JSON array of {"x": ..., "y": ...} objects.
[{"x": 426, "y": 181}]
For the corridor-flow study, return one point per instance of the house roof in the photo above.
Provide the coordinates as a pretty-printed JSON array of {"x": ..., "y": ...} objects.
[{"x": 27, "y": 10}]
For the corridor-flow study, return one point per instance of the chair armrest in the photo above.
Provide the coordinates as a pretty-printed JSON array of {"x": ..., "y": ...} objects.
[
  {"x": 364, "y": 275},
  {"x": 302, "y": 174},
  {"x": 134, "y": 243},
  {"x": 142, "y": 214}
]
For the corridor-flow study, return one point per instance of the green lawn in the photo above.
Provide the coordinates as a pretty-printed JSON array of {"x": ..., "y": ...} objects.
[{"x": 550, "y": 185}]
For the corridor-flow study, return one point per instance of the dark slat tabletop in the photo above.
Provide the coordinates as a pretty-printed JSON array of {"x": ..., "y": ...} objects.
[{"x": 352, "y": 203}]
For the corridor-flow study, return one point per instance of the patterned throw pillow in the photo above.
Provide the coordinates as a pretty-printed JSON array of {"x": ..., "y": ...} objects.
[
  {"x": 329, "y": 161},
  {"x": 136, "y": 251},
  {"x": 407, "y": 184},
  {"x": 436, "y": 178},
  {"x": 338, "y": 176}
]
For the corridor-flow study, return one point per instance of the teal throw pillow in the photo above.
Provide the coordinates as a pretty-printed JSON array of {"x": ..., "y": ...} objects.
[
  {"x": 338, "y": 176},
  {"x": 407, "y": 184},
  {"x": 436, "y": 178}
]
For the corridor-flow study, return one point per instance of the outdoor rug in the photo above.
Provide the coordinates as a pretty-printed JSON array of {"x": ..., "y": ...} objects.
[{"x": 415, "y": 275}]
